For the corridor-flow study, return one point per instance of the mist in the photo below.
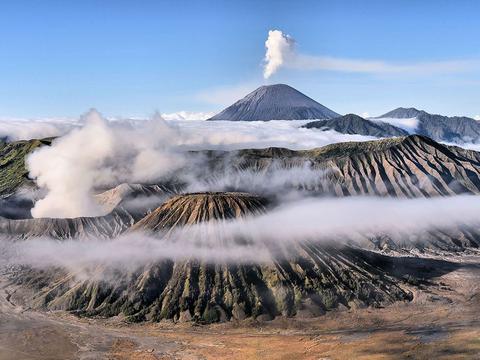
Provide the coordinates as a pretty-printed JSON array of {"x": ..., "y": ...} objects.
[
  {"x": 102, "y": 154},
  {"x": 94, "y": 153},
  {"x": 258, "y": 238}
]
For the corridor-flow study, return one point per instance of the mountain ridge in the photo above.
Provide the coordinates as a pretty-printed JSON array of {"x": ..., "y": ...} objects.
[
  {"x": 456, "y": 129},
  {"x": 354, "y": 124}
]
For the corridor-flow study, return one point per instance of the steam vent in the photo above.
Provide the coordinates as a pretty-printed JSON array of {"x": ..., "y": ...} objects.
[{"x": 311, "y": 279}]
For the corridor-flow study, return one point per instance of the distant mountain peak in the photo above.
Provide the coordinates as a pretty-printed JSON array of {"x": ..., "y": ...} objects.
[
  {"x": 403, "y": 113},
  {"x": 354, "y": 124},
  {"x": 455, "y": 129},
  {"x": 275, "y": 102}
]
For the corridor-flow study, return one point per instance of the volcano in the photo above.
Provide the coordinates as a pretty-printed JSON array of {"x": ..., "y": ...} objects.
[
  {"x": 275, "y": 102},
  {"x": 304, "y": 281},
  {"x": 194, "y": 208}
]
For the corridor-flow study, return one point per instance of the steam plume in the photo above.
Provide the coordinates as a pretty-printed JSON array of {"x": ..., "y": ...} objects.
[
  {"x": 281, "y": 52},
  {"x": 100, "y": 153},
  {"x": 280, "y": 48}
]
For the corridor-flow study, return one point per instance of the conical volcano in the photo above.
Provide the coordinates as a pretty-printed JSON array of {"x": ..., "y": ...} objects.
[
  {"x": 275, "y": 102},
  {"x": 189, "y": 209}
]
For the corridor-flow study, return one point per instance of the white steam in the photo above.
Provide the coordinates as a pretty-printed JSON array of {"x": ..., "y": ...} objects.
[
  {"x": 281, "y": 52},
  {"x": 276, "y": 180},
  {"x": 100, "y": 153},
  {"x": 280, "y": 48}
]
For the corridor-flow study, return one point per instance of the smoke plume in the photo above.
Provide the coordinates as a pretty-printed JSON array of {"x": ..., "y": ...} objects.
[
  {"x": 280, "y": 49},
  {"x": 281, "y": 52},
  {"x": 100, "y": 154}
]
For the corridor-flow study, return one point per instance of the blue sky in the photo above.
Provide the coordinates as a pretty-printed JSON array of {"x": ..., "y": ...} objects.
[{"x": 59, "y": 58}]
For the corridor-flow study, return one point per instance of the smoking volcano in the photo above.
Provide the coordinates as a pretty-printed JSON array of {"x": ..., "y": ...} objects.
[{"x": 306, "y": 280}]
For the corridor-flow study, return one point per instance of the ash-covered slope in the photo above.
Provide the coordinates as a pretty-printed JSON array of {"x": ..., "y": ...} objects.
[
  {"x": 354, "y": 124},
  {"x": 275, "y": 102},
  {"x": 124, "y": 205},
  {"x": 304, "y": 281},
  {"x": 194, "y": 208},
  {"x": 136, "y": 199},
  {"x": 104, "y": 227},
  {"x": 405, "y": 167},
  {"x": 411, "y": 166},
  {"x": 458, "y": 129}
]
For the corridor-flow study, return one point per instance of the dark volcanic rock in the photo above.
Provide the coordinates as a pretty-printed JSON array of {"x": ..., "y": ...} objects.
[
  {"x": 275, "y": 102},
  {"x": 354, "y": 124}
]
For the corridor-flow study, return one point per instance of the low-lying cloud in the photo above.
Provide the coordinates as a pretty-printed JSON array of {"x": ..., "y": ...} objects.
[
  {"x": 102, "y": 153},
  {"x": 409, "y": 124},
  {"x": 259, "y": 238},
  {"x": 97, "y": 153},
  {"x": 25, "y": 129}
]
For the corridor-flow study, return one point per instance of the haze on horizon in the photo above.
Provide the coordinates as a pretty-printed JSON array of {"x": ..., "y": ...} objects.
[{"x": 59, "y": 60}]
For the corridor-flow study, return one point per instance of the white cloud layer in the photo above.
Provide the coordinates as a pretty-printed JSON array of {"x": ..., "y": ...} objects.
[
  {"x": 281, "y": 52},
  {"x": 103, "y": 153},
  {"x": 25, "y": 129},
  {"x": 313, "y": 220},
  {"x": 187, "y": 115},
  {"x": 97, "y": 153},
  {"x": 409, "y": 124}
]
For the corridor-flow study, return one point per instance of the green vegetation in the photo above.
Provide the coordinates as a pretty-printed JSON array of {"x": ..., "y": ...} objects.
[{"x": 13, "y": 172}]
